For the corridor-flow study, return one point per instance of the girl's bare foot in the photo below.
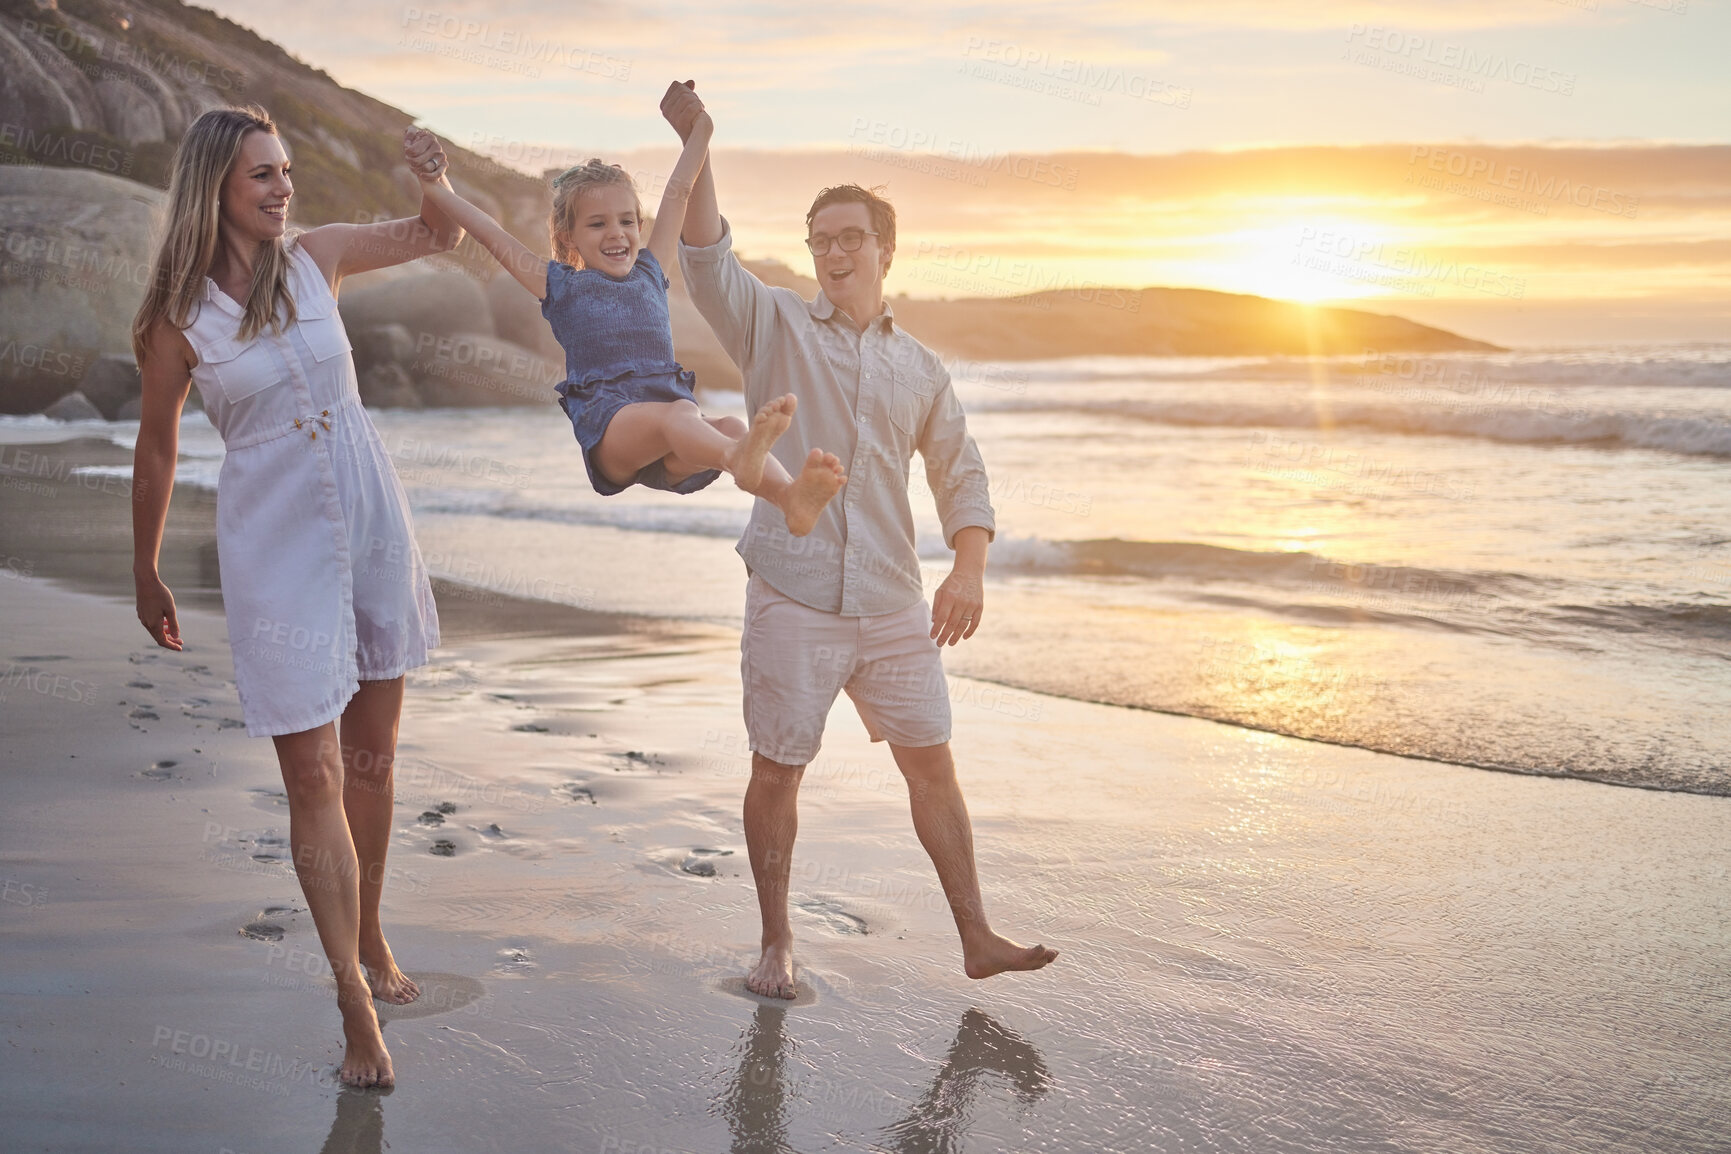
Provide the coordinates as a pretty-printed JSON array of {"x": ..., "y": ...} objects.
[
  {"x": 802, "y": 501},
  {"x": 773, "y": 977},
  {"x": 389, "y": 983},
  {"x": 992, "y": 954},
  {"x": 745, "y": 459},
  {"x": 366, "y": 1062}
]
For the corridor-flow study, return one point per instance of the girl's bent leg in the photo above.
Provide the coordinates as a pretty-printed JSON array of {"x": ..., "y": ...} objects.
[
  {"x": 369, "y": 737},
  {"x": 325, "y": 862},
  {"x": 646, "y": 432}
]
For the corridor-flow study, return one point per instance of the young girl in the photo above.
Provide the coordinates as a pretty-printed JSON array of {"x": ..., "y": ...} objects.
[{"x": 605, "y": 294}]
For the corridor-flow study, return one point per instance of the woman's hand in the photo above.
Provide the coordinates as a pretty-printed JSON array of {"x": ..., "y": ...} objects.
[
  {"x": 683, "y": 108},
  {"x": 424, "y": 154},
  {"x": 156, "y": 611}
]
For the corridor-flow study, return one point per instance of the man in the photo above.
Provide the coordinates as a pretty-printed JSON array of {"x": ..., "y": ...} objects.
[{"x": 843, "y": 608}]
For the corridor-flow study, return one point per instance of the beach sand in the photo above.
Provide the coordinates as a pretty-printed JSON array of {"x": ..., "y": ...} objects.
[{"x": 1267, "y": 944}]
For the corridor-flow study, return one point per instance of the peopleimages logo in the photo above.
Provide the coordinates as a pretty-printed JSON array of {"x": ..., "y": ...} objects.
[
  {"x": 1493, "y": 173},
  {"x": 1423, "y": 55}
]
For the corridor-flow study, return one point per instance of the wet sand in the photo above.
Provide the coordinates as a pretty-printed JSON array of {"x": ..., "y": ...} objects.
[{"x": 1268, "y": 944}]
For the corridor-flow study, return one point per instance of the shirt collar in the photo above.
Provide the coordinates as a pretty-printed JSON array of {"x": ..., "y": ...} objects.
[{"x": 822, "y": 308}]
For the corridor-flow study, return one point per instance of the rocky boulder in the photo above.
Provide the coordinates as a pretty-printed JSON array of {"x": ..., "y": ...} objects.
[
  {"x": 111, "y": 383},
  {"x": 430, "y": 304},
  {"x": 75, "y": 250}
]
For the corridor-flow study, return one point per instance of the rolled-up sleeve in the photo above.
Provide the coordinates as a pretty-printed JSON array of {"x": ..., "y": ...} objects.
[
  {"x": 955, "y": 471},
  {"x": 738, "y": 306}
]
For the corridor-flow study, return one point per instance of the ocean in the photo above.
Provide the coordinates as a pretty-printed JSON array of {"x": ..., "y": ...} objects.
[{"x": 1517, "y": 561}]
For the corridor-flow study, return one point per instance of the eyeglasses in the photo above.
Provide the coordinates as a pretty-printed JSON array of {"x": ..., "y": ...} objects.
[{"x": 849, "y": 238}]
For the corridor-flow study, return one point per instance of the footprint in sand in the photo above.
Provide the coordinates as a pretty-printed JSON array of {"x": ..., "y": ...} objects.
[
  {"x": 576, "y": 791},
  {"x": 159, "y": 771},
  {"x": 516, "y": 961},
  {"x": 271, "y": 923},
  {"x": 833, "y": 916},
  {"x": 431, "y": 817},
  {"x": 270, "y": 848},
  {"x": 443, "y": 847},
  {"x": 699, "y": 864}
]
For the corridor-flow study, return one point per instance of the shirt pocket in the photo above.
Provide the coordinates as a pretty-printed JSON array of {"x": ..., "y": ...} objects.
[
  {"x": 910, "y": 401},
  {"x": 242, "y": 368},
  {"x": 321, "y": 326}
]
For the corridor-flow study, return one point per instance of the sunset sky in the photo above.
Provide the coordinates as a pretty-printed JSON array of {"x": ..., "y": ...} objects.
[{"x": 1529, "y": 171}]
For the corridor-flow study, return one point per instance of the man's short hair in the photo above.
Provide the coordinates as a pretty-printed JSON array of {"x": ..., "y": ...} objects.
[{"x": 883, "y": 213}]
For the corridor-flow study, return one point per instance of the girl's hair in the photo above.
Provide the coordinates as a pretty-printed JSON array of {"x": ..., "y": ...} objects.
[
  {"x": 189, "y": 232},
  {"x": 569, "y": 187}
]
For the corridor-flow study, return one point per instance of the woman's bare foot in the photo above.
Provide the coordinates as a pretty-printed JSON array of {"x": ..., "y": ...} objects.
[
  {"x": 992, "y": 954},
  {"x": 773, "y": 977},
  {"x": 389, "y": 983},
  {"x": 366, "y": 1062},
  {"x": 802, "y": 501},
  {"x": 745, "y": 459}
]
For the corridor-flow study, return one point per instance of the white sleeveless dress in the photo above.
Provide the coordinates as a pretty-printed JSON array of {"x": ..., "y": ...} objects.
[{"x": 322, "y": 582}]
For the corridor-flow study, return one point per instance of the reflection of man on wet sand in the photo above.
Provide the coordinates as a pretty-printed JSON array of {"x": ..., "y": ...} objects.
[{"x": 843, "y": 607}]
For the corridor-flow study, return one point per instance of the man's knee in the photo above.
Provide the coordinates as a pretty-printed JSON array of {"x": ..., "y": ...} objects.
[
  {"x": 775, "y": 774},
  {"x": 924, "y": 764}
]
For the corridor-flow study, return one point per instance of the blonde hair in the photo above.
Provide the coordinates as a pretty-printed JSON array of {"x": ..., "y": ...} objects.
[
  {"x": 189, "y": 232},
  {"x": 568, "y": 188}
]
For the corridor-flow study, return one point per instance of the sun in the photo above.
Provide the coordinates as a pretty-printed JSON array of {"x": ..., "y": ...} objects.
[{"x": 1288, "y": 261}]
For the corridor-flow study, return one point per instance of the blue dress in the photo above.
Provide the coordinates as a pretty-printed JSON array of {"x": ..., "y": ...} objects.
[{"x": 618, "y": 342}]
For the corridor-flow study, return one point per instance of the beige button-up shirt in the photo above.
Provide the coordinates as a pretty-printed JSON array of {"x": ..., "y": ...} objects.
[{"x": 871, "y": 398}]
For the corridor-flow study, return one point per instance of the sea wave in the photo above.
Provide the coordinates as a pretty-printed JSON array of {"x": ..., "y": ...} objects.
[{"x": 1504, "y": 420}]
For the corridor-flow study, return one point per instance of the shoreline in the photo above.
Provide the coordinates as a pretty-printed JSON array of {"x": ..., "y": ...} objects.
[{"x": 89, "y": 548}]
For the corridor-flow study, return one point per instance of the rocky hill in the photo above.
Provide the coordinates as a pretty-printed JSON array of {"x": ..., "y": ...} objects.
[{"x": 97, "y": 92}]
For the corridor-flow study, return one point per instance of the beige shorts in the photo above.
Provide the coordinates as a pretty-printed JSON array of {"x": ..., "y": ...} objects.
[{"x": 794, "y": 660}]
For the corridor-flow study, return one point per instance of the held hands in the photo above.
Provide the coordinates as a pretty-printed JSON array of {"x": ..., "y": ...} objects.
[
  {"x": 156, "y": 612},
  {"x": 424, "y": 154},
  {"x": 683, "y": 109},
  {"x": 957, "y": 607}
]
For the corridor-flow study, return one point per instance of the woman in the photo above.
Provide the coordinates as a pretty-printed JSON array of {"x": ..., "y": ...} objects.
[{"x": 328, "y": 602}]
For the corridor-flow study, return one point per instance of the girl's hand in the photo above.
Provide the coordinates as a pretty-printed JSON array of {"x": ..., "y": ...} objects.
[
  {"x": 156, "y": 612},
  {"x": 682, "y": 107},
  {"x": 424, "y": 154}
]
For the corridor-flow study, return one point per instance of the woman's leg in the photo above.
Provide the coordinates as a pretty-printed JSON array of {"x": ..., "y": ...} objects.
[
  {"x": 325, "y": 862},
  {"x": 369, "y": 736}
]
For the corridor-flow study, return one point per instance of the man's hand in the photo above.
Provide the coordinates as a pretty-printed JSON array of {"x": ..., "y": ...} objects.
[
  {"x": 960, "y": 600},
  {"x": 957, "y": 607},
  {"x": 682, "y": 107}
]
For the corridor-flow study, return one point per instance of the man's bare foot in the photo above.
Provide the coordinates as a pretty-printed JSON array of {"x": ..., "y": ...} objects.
[
  {"x": 994, "y": 955},
  {"x": 389, "y": 983},
  {"x": 773, "y": 977},
  {"x": 745, "y": 459},
  {"x": 802, "y": 501},
  {"x": 365, "y": 1059}
]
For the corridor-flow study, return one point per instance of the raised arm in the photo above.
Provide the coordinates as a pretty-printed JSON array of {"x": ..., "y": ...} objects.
[
  {"x": 341, "y": 249},
  {"x": 166, "y": 376},
  {"x": 684, "y": 110}
]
